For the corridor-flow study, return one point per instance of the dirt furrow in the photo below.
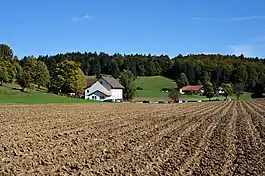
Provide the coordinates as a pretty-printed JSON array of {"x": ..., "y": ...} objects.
[
  {"x": 257, "y": 119},
  {"x": 258, "y": 107},
  {"x": 154, "y": 144},
  {"x": 205, "y": 143},
  {"x": 102, "y": 131},
  {"x": 250, "y": 152},
  {"x": 220, "y": 151},
  {"x": 131, "y": 119},
  {"x": 66, "y": 122},
  {"x": 259, "y": 104},
  {"x": 191, "y": 132},
  {"x": 133, "y": 146},
  {"x": 161, "y": 130}
]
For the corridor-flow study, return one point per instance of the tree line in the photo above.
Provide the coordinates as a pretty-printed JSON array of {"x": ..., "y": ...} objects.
[
  {"x": 65, "y": 72},
  {"x": 217, "y": 69}
]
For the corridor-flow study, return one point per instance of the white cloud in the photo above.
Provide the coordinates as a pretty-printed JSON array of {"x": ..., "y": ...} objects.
[
  {"x": 87, "y": 17},
  {"x": 231, "y": 18},
  {"x": 246, "y": 50},
  {"x": 79, "y": 19}
]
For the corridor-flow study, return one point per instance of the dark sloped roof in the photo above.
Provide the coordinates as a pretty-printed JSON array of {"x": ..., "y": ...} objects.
[
  {"x": 114, "y": 83},
  {"x": 90, "y": 82}
]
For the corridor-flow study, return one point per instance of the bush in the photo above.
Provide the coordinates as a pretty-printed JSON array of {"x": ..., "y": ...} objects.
[
  {"x": 139, "y": 88},
  {"x": 174, "y": 95}
]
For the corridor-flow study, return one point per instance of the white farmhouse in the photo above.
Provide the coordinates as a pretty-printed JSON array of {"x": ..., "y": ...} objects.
[{"x": 104, "y": 88}]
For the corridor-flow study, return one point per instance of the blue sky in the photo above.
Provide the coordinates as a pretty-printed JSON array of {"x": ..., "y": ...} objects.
[{"x": 170, "y": 27}]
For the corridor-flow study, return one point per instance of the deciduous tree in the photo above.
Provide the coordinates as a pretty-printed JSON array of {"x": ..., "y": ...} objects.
[
  {"x": 80, "y": 82},
  {"x": 7, "y": 72},
  {"x": 5, "y": 52},
  {"x": 42, "y": 76},
  {"x": 3, "y": 73},
  {"x": 24, "y": 80},
  {"x": 228, "y": 90},
  {"x": 127, "y": 81},
  {"x": 208, "y": 90},
  {"x": 65, "y": 77}
]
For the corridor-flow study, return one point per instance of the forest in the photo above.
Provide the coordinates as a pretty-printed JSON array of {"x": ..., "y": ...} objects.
[{"x": 56, "y": 72}]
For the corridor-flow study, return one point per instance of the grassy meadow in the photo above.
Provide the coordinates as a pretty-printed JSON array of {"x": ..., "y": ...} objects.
[
  {"x": 10, "y": 94},
  {"x": 152, "y": 85}
]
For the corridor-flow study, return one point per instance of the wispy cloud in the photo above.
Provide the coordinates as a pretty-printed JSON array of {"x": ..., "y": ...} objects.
[
  {"x": 79, "y": 19},
  {"x": 246, "y": 50},
  {"x": 231, "y": 18}
]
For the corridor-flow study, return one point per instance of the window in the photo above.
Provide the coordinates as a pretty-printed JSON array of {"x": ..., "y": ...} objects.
[
  {"x": 87, "y": 91},
  {"x": 102, "y": 97},
  {"x": 101, "y": 82}
]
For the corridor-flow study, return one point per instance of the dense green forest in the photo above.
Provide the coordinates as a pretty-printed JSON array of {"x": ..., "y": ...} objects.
[{"x": 199, "y": 68}]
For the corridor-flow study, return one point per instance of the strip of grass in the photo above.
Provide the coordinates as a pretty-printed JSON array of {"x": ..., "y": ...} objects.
[{"x": 10, "y": 94}]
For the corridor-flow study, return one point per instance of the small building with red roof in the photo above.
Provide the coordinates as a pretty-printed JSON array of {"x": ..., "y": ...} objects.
[{"x": 191, "y": 89}]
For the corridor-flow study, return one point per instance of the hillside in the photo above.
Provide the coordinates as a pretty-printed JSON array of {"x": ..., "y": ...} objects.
[
  {"x": 152, "y": 85},
  {"x": 10, "y": 94}
]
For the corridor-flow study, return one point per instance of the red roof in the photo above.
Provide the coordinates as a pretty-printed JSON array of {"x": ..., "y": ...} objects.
[{"x": 192, "y": 88}]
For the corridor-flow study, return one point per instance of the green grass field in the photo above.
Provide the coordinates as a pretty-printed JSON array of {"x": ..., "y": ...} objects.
[
  {"x": 153, "y": 84},
  {"x": 9, "y": 94}
]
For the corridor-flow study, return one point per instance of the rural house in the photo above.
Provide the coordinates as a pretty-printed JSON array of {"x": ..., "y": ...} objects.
[
  {"x": 104, "y": 88},
  {"x": 196, "y": 89}
]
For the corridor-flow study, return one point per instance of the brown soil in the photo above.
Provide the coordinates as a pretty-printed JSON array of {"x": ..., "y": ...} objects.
[{"x": 218, "y": 138}]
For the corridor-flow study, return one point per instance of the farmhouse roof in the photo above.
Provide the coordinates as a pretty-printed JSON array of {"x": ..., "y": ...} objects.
[
  {"x": 192, "y": 88},
  {"x": 114, "y": 83},
  {"x": 90, "y": 82}
]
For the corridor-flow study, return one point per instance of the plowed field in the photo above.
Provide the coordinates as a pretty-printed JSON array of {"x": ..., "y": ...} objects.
[{"x": 222, "y": 138}]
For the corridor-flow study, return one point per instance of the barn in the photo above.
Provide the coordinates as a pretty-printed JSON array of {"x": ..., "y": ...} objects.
[{"x": 104, "y": 88}]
